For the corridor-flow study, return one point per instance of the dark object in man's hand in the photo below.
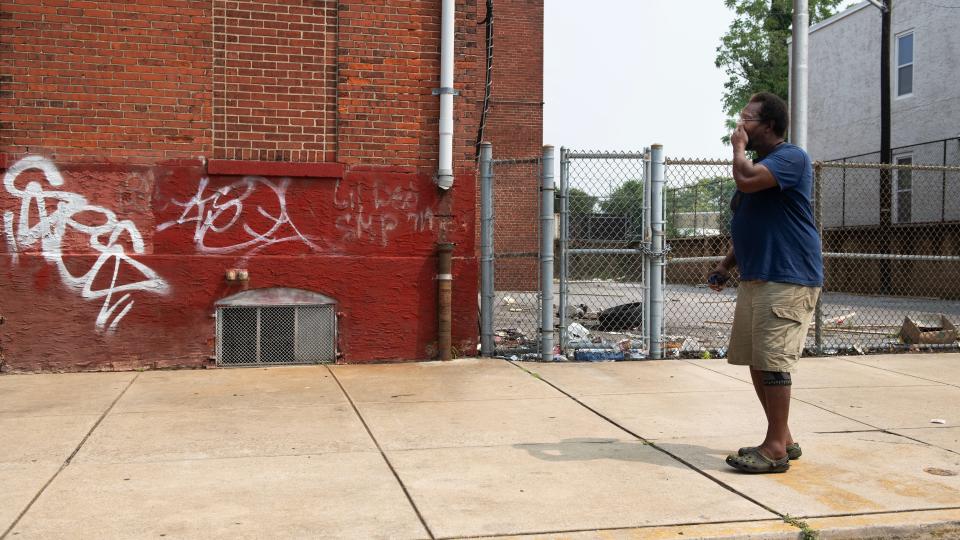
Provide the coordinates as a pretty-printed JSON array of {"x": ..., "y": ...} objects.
[{"x": 717, "y": 279}]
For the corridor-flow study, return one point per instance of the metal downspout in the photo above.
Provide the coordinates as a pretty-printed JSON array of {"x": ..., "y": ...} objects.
[
  {"x": 446, "y": 93},
  {"x": 445, "y": 299}
]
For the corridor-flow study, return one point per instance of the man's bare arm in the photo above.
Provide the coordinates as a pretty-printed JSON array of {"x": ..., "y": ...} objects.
[{"x": 750, "y": 177}]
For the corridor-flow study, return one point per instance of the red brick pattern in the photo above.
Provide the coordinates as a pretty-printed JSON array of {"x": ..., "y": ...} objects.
[
  {"x": 99, "y": 81},
  {"x": 515, "y": 127},
  {"x": 274, "y": 84},
  {"x": 389, "y": 63}
]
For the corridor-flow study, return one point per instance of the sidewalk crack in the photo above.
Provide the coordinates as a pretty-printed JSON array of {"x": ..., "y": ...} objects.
[
  {"x": 383, "y": 454},
  {"x": 69, "y": 459},
  {"x": 652, "y": 444}
]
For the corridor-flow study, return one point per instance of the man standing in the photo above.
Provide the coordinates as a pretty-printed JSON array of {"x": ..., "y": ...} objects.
[{"x": 776, "y": 245}]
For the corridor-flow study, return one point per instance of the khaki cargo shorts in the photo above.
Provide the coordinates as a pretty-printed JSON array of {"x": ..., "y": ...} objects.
[{"x": 770, "y": 324}]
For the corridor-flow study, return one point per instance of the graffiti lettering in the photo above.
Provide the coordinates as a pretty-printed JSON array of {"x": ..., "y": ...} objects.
[
  {"x": 390, "y": 204},
  {"x": 104, "y": 238},
  {"x": 221, "y": 210}
]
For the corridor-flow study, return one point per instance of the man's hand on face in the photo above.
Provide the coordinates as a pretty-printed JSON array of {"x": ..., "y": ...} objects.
[{"x": 738, "y": 139}]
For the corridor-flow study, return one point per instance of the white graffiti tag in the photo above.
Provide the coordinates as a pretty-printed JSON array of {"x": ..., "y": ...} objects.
[
  {"x": 391, "y": 204},
  {"x": 104, "y": 238},
  {"x": 221, "y": 210}
]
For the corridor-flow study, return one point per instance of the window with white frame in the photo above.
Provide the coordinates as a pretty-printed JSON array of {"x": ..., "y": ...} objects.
[
  {"x": 902, "y": 191},
  {"x": 905, "y": 64}
]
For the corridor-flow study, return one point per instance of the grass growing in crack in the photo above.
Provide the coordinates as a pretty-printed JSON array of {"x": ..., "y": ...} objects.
[{"x": 806, "y": 533}]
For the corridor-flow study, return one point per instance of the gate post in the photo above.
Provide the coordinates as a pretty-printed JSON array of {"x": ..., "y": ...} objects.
[
  {"x": 564, "y": 199},
  {"x": 818, "y": 217},
  {"x": 646, "y": 247},
  {"x": 658, "y": 257},
  {"x": 546, "y": 253},
  {"x": 486, "y": 250}
]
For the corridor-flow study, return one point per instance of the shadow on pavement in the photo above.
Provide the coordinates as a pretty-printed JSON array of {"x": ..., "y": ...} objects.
[{"x": 588, "y": 449}]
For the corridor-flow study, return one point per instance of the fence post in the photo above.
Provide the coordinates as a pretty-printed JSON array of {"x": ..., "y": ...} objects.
[
  {"x": 658, "y": 257},
  {"x": 647, "y": 246},
  {"x": 564, "y": 235},
  {"x": 546, "y": 254},
  {"x": 486, "y": 250},
  {"x": 943, "y": 189},
  {"x": 818, "y": 217}
]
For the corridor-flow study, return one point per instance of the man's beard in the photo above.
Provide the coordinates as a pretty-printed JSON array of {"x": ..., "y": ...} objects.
[{"x": 749, "y": 146}]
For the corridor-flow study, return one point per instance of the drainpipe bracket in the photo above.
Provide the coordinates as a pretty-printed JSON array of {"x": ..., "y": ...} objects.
[{"x": 445, "y": 90}]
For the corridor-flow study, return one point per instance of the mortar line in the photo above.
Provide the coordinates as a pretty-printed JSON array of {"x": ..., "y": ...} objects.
[
  {"x": 652, "y": 444},
  {"x": 69, "y": 459},
  {"x": 383, "y": 454}
]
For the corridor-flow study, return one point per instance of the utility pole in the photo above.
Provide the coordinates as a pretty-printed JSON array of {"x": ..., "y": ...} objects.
[
  {"x": 886, "y": 183},
  {"x": 886, "y": 190},
  {"x": 798, "y": 78}
]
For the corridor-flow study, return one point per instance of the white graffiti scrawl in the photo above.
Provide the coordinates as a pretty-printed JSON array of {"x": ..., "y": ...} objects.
[
  {"x": 219, "y": 211},
  {"x": 104, "y": 238},
  {"x": 391, "y": 204}
]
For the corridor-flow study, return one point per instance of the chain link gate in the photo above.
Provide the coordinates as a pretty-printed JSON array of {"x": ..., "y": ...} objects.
[{"x": 604, "y": 230}]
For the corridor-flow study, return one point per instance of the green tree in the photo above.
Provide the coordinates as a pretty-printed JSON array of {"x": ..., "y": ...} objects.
[
  {"x": 753, "y": 52},
  {"x": 704, "y": 197},
  {"x": 580, "y": 202},
  {"x": 627, "y": 200}
]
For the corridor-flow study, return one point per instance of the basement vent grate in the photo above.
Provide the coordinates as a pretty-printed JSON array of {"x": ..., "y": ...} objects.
[{"x": 276, "y": 327}]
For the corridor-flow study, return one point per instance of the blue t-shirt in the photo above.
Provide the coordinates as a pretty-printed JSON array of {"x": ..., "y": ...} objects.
[{"x": 774, "y": 233}]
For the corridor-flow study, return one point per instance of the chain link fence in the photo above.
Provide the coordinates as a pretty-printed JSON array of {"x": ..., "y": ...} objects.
[
  {"x": 697, "y": 196},
  {"x": 891, "y": 242},
  {"x": 516, "y": 246}
]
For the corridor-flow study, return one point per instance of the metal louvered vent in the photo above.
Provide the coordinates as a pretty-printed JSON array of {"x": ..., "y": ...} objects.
[{"x": 276, "y": 326}]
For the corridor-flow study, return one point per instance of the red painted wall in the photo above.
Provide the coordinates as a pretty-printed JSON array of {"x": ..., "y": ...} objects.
[{"x": 147, "y": 147}]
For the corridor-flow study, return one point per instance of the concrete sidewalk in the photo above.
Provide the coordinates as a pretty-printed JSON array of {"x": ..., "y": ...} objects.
[{"x": 479, "y": 448}]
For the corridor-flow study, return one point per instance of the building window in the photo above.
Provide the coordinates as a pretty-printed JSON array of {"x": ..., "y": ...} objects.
[
  {"x": 902, "y": 191},
  {"x": 905, "y": 64}
]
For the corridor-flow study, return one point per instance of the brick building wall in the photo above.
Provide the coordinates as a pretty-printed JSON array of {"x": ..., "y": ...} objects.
[
  {"x": 515, "y": 128},
  {"x": 148, "y": 147}
]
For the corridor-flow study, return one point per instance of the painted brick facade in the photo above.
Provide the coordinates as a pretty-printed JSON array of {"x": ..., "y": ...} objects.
[{"x": 149, "y": 146}]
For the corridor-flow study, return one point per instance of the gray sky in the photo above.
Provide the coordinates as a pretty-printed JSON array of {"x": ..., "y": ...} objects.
[{"x": 624, "y": 74}]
